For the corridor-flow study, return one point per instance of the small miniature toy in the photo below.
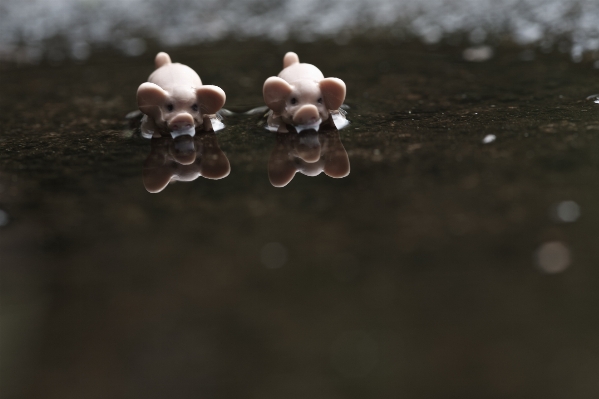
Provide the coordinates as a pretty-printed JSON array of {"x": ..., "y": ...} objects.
[
  {"x": 175, "y": 101},
  {"x": 301, "y": 96},
  {"x": 184, "y": 158},
  {"x": 308, "y": 152}
]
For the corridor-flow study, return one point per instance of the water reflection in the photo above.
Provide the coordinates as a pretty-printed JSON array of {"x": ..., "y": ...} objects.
[
  {"x": 184, "y": 158},
  {"x": 309, "y": 152}
]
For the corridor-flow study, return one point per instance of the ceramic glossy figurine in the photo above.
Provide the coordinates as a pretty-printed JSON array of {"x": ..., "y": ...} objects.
[
  {"x": 184, "y": 158},
  {"x": 309, "y": 153},
  {"x": 301, "y": 96},
  {"x": 175, "y": 101}
]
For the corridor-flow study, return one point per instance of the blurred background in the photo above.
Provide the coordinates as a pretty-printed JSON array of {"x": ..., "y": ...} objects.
[
  {"x": 450, "y": 253},
  {"x": 57, "y": 29}
]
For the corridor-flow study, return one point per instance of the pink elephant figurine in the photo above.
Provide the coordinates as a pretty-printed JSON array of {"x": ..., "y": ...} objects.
[
  {"x": 301, "y": 96},
  {"x": 309, "y": 153},
  {"x": 175, "y": 101}
]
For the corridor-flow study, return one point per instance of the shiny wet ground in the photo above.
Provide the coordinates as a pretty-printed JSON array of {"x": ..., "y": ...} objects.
[{"x": 441, "y": 266}]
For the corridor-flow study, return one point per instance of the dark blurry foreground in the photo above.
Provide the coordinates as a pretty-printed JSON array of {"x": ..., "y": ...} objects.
[{"x": 457, "y": 259}]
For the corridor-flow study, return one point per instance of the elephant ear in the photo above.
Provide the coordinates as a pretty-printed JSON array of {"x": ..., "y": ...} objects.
[
  {"x": 150, "y": 98},
  {"x": 333, "y": 92},
  {"x": 210, "y": 99},
  {"x": 276, "y": 91}
]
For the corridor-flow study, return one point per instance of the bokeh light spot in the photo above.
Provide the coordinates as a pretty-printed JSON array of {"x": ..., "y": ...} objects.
[{"x": 553, "y": 257}]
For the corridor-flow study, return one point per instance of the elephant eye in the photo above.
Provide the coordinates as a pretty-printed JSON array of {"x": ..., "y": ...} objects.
[
  {"x": 194, "y": 107},
  {"x": 169, "y": 107},
  {"x": 293, "y": 101},
  {"x": 319, "y": 100}
]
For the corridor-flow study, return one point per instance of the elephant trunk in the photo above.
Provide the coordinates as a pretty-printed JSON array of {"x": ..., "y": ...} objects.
[
  {"x": 181, "y": 121},
  {"x": 306, "y": 115}
]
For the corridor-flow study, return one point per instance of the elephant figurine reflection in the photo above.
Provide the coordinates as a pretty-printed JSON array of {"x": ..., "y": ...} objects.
[
  {"x": 301, "y": 96},
  {"x": 175, "y": 101},
  {"x": 184, "y": 158},
  {"x": 310, "y": 153}
]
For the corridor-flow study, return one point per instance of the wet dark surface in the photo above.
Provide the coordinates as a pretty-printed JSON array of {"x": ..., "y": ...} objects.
[{"x": 414, "y": 276}]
